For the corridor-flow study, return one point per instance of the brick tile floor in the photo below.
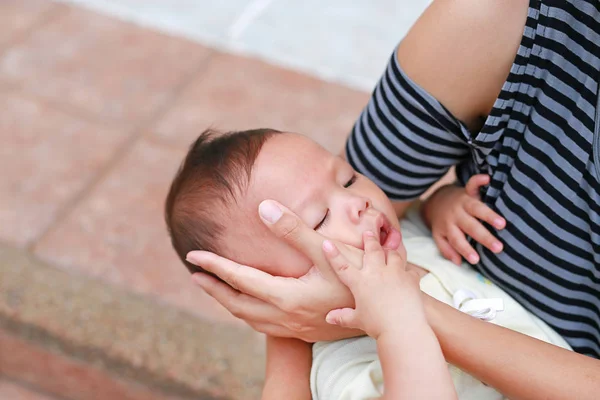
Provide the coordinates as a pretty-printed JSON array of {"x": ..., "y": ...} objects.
[
  {"x": 47, "y": 157},
  {"x": 13, "y": 391},
  {"x": 110, "y": 69},
  {"x": 96, "y": 114},
  {"x": 17, "y": 16},
  {"x": 83, "y": 188},
  {"x": 117, "y": 233},
  {"x": 241, "y": 93}
]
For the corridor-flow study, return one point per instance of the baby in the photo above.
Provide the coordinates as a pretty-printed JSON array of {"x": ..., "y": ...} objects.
[{"x": 212, "y": 205}]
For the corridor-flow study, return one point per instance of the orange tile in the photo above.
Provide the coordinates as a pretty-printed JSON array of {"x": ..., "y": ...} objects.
[
  {"x": 237, "y": 92},
  {"x": 101, "y": 65},
  {"x": 16, "y": 16},
  {"x": 118, "y": 234},
  {"x": 12, "y": 391},
  {"x": 46, "y": 158}
]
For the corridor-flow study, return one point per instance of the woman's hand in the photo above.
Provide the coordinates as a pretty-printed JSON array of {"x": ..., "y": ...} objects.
[
  {"x": 387, "y": 296},
  {"x": 280, "y": 306}
]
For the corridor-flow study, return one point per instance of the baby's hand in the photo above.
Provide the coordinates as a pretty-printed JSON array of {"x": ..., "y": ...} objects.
[
  {"x": 386, "y": 295},
  {"x": 453, "y": 212}
]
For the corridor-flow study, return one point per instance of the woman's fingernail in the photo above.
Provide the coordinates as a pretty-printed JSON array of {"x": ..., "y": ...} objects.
[
  {"x": 189, "y": 257},
  {"x": 473, "y": 258},
  {"x": 269, "y": 211},
  {"x": 369, "y": 233},
  {"x": 497, "y": 247},
  {"x": 328, "y": 246}
]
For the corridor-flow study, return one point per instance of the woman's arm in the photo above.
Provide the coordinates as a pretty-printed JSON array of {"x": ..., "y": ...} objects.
[
  {"x": 517, "y": 365},
  {"x": 461, "y": 52},
  {"x": 288, "y": 369}
]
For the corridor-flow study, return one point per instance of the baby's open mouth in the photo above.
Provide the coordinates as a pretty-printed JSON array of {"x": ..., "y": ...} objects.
[
  {"x": 389, "y": 237},
  {"x": 383, "y": 234}
]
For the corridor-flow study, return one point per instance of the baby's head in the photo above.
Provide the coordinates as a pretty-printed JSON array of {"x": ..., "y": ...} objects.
[{"x": 213, "y": 201}]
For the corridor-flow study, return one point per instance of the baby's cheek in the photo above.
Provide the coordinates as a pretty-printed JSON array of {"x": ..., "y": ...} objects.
[
  {"x": 287, "y": 261},
  {"x": 349, "y": 235}
]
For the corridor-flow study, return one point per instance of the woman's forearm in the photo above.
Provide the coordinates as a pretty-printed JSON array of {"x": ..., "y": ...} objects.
[
  {"x": 288, "y": 369},
  {"x": 517, "y": 365}
]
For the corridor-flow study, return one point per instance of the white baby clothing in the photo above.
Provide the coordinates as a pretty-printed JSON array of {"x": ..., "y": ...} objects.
[{"x": 349, "y": 369}]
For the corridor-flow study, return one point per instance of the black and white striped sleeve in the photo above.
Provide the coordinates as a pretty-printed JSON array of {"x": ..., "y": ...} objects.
[{"x": 405, "y": 140}]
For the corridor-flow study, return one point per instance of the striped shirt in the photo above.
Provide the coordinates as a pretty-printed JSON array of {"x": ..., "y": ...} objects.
[{"x": 541, "y": 146}]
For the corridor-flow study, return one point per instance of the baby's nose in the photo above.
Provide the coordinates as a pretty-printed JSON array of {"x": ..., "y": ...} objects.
[{"x": 358, "y": 208}]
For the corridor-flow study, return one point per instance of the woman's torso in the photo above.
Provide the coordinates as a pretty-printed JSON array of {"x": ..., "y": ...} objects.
[{"x": 541, "y": 146}]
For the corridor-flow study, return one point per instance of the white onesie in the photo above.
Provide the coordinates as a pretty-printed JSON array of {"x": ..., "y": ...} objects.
[{"x": 349, "y": 369}]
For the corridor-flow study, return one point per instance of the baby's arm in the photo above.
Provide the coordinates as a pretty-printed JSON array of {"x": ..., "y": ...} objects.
[
  {"x": 288, "y": 369},
  {"x": 389, "y": 308},
  {"x": 453, "y": 212}
]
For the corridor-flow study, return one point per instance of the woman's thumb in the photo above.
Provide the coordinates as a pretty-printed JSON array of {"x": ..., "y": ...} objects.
[{"x": 344, "y": 317}]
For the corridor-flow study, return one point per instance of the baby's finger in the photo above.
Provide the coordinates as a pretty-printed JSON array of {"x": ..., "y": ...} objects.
[
  {"x": 374, "y": 254},
  {"x": 340, "y": 264},
  {"x": 344, "y": 317},
  {"x": 483, "y": 212},
  {"x": 395, "y": 259},
  {"x": 475, "y": 183},
  {"x": 480, "y": 234},
  {"x": 447, "y": 250},
  {"x": 459, "y": 242}
]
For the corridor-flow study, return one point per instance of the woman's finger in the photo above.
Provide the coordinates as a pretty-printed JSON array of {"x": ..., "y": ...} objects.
[
  {"x": 248, "y": 280},
  {"x": 239, "y": 304},
  {"x": 475, "y": 183},
  {"x": 271, "y": 329},
  {"x": 287, "y": 226},
  {"x": 339, "y": 263},
  {"x": 344, "y": 317},
  {"x": 374, "y": 254}
]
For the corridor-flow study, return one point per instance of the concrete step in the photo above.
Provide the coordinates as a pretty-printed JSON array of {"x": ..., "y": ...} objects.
[{"x": 78, "y": 338}]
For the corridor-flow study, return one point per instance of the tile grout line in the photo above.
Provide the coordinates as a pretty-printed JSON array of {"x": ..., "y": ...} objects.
[
  {"x": 136, "y": 134},
  {"x": 65, "y": 108}
]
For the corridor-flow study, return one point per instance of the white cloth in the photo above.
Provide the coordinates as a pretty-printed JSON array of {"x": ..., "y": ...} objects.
[{"x": 350, "y": 370}]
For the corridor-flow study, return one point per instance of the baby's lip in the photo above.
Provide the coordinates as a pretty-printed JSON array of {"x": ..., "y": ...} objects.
[{"x": 382, "y": 227}]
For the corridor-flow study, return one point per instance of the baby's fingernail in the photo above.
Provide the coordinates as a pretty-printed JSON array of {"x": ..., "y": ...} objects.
[
  {"x": 473, "y": 258},
  {"x": 369, "y": 233},
  {"x": 499, "y": 223},
  {"x": 269, "y": 211},
  {"x": 497, "y": 247},
  {"x": 330, "y": 319}
]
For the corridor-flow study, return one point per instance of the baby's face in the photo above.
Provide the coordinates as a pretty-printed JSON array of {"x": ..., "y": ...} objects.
[{"x": 322, "y": 189}]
